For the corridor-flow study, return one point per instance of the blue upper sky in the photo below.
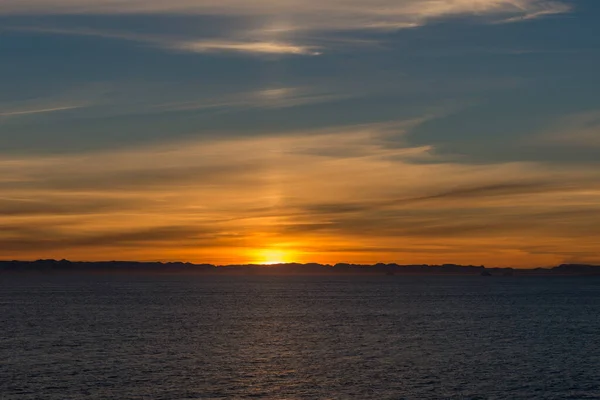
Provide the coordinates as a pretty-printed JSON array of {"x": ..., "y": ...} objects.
[
  {"x": 484, "y": 83},
  {"x": 475, "y": 83}
]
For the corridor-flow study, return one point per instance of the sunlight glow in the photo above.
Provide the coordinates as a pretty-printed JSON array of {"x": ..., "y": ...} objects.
[{"x": 273, "y": 256}]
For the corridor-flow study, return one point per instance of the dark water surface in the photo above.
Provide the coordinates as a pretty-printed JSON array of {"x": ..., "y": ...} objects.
[{"x": 175, "y": 337}]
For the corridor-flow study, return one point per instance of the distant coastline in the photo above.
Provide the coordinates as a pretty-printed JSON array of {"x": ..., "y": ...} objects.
[{"x": 66, "y": 266}]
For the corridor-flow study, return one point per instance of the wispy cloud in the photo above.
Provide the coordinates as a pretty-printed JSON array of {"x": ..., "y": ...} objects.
[
  {"x": 258, "y": 47},
  {"x": 207, "y": 46},
  {"x": 580, "y": 130},
  {"x": 311, "y": 14},
  {"x": 336, "y": 14},
  {"x": 55, "y": 101},
  {"x": 14, "y": 113},
  {"x": 538, "y": 12},
  {"x": 276, "y": 97},
  {"x": 284, "y": 28}
]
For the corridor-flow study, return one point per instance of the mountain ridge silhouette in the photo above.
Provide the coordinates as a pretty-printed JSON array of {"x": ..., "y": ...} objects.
[{"x": 66, "y": 266}]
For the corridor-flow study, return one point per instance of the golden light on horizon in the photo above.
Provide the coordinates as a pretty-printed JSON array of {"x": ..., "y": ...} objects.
[{"x": 272, "y": 256}]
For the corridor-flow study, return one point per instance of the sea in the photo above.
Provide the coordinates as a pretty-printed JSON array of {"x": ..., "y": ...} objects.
[{"x": 293, "y": 337}]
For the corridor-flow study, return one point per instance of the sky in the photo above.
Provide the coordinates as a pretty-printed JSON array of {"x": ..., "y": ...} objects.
[{"x": 238, "y": 131}]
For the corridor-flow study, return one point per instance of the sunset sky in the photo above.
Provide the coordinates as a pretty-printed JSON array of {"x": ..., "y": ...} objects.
[{"x": 234, "y": 131}]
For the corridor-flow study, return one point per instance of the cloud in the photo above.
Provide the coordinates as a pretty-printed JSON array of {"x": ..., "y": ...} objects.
[
  {"x": 576, "y": 131},
  {"x": 37, "y": 111},
  {"x": 16, "y": 113},
  {"x": 507, "y": 206},
  {"x": 177, "y": 43},
  {"x": 60, "y": 205},
  {"x": 208, "y": 46},
  {"x": 268, "y": 98},
  {"x": 150, "y": 178},
  {"x": 23, "y": 104},
  {"x": 290, "y": 15},
  {"x": 283, "y": 28},
  {"x": 52, "y": 239},
  {"x": 497, "y": 189},
  {"x": 542, "y": 11},
  {"x": 469, "y": 195}
]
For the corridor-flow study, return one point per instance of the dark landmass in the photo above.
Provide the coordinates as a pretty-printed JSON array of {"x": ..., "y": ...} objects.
[{"x": 129, "y": 267}]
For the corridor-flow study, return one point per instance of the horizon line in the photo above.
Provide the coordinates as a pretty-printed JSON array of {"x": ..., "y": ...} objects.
[{"x": 282, "y": 264}]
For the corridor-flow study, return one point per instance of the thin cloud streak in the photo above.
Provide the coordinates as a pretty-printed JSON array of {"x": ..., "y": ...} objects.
[
  {"x": 277, "y": 97},
  {"x": 208, "y": 46},
  {"x": 37, "y": 111}
]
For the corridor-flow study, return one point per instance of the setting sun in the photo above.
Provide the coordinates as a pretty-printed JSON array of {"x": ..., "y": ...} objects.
[{"x": 273, "y": 256}]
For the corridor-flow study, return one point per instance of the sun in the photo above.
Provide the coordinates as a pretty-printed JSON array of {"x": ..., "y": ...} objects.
[{"x": 272, "y": 256}]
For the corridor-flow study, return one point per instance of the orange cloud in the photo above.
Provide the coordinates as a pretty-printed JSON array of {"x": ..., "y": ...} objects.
[{"x": 343, "y": 194}]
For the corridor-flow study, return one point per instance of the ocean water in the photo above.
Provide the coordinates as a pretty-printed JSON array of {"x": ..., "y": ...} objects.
[{"x": 182, "y": 337}]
